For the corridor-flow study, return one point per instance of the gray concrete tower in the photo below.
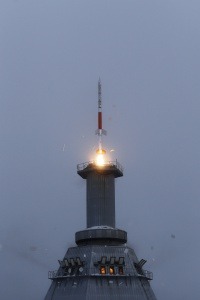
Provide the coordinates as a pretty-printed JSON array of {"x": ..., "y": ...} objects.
[{"x": 101, "y": 266}]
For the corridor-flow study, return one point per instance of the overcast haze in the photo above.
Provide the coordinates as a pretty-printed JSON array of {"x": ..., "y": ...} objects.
[{"x": 147, "y": 54}]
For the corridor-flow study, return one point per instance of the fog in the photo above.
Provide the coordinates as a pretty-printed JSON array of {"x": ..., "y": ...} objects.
[{"x": 147, "y": 54}]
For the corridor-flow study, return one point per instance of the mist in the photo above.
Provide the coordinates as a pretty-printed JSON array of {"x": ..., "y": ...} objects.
[{"x": 52, "y": 54}]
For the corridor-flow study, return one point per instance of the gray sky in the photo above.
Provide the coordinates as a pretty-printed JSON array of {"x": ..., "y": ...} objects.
[{"x": 147, "y": 54}]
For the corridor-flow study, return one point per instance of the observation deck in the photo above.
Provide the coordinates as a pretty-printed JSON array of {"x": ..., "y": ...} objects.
[
  {"x": 110, "y": 167},
  {"x": 94, "y": 272}
]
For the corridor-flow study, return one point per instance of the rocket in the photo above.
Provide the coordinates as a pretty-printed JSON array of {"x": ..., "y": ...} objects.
[{"x": 100, "y": 131}]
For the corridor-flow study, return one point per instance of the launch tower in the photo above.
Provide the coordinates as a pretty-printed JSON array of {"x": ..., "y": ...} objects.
[{"x": 101, "y": 266}]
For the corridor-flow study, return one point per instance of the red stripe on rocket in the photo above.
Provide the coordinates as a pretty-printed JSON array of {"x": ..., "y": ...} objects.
[{"x": 99, "y": 120}]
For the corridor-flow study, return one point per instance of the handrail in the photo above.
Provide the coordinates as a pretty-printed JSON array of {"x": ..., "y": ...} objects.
[
  {"x": 115, "y": 163},
  {"x": 61, "y": 273},
  {"x": 147, "y": 274}
]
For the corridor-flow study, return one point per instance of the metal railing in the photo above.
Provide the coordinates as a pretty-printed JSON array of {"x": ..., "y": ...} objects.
[
  {"x": 61, "y": 273},
  {"x": 114, "y": 163},
  {"x": 84, "y": 165},
  {"x": 147, "y": 274}
]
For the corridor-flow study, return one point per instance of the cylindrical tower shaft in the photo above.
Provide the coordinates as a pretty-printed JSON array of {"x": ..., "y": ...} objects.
[{"x": 100, "y": 199}]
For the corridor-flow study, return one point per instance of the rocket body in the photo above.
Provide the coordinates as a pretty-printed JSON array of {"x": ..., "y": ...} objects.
[
  {"x": 100, "y": 131},
  {"x": 99, "y": 108}
]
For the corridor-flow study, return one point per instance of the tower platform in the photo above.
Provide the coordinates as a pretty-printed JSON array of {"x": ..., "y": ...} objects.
[{"x": 101, "y": 235}]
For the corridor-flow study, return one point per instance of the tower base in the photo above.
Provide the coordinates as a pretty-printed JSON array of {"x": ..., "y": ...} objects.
[{"x": 100, "y": 272}]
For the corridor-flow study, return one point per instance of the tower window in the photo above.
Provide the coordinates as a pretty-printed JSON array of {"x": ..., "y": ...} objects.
[
  {"x": 66, "y": 263},
  {"x": 121, "y": 271},
  {"x": 103, "y": 270},
  {"x": 103, "y": 260},
  {"x": 121, "y": 260},
  {"x": 112, "y": 260},
  {"x": 111, "y": 270},
  {"x": 72, "y": 262}
]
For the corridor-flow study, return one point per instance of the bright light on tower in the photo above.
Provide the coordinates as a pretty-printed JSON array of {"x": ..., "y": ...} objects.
[{"x": 100, "y": 159}]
